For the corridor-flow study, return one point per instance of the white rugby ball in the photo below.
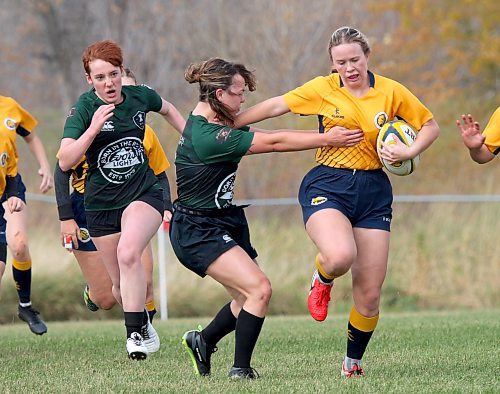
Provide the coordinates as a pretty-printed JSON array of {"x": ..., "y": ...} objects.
[{"x": 390, "y": 131}]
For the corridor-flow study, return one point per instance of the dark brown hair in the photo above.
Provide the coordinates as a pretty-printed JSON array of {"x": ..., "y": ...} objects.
[{"x": 214, "y": 74}]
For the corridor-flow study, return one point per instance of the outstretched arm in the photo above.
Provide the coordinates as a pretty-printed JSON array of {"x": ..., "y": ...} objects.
[
  {"x": 474, "y": 140},
  {"x": 290, "y": 141},
  {"x": 266, "y": 109},
  {"x": 36, "y": 147}
]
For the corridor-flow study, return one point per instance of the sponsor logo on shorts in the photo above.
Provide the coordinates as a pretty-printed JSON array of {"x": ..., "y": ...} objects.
[
  {"x": 386, "y": 219},
  {"x": 84, "y": 235},
  {"x": 227, "y": 238},
  {"x": 10, "y": 123},
  {"x": 119, "y": 160},
  {"x": 318, "y": 200}
]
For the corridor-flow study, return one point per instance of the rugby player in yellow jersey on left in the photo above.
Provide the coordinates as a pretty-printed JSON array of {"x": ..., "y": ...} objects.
[
  {"x": 97, "y": 293},
  {"x": 15, "y": 120}
]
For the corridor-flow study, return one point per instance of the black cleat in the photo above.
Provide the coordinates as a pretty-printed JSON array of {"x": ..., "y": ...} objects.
[
  {"x": 198, "y": 351},
  {"x": 243, "y": 373},
  {"x": 31, "y": 316}
]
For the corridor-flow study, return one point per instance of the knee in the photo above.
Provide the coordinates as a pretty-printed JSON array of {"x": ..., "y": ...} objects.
[
  {"x": 19, "y": 247},
  {"x": 264, "y": 290},
  {"x": 369, "y": 303},
  {"x": 337, "y": 262},
  {"x": 103, "y": 299},
  {"x": 127, "y": 256},
  {"x": 107, "y": 303}
]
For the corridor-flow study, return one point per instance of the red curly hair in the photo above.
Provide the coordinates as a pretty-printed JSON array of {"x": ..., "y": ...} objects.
[{"x": 106, "y": 50}]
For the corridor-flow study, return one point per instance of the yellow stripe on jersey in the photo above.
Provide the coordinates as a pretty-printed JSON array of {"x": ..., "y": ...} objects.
[
  {"x": 336, "y": 106},
  {"x": 492, "y": 133},
  {"x": 154, "y": 151}
]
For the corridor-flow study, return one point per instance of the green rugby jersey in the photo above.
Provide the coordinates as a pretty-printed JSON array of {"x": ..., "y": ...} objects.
[
  {"x": 118, "y": 167},
  {"x": 206, "y": 162}
]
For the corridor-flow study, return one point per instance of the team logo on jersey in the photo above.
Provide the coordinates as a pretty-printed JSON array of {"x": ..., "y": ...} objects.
[
  {"x": 108, "y": 126},
  {"x": 224, "y": 195},
  {"x": 3, "y": 159},
  {"x": 71, "y": 112},
  {"x": 318, "y": 200},
  {"x": 10, "y": 123},
  {"x": 337, "y": 114},
  {"x": 84, "y": 235},
  {"x": 223, "y": 135},
  {"x": 118, "y": 161},
  {"x": 380, "y": 119},
  {"x": 140, "y": 119}
]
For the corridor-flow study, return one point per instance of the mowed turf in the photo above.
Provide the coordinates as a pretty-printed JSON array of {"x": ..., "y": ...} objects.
[{"x": 427, "y": 352}]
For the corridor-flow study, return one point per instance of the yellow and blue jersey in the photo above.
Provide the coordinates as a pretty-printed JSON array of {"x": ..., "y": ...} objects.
[
  {"x": 334, "y": 105},
  {"x": 8, "y": 162},
  {"x": 492, "y": 133},
  {"x": 154, "y": 151},
  {"x": 14, "y": 120}
]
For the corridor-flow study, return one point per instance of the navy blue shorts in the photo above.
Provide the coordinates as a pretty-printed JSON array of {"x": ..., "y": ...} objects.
[
  {"x": 21, "y": 193},
  {"x": 85, "y": 243},
  {"x": 364, "y": 197},
  {"x": 107, "y": 222},
  {"x": 199, "y": 240}
]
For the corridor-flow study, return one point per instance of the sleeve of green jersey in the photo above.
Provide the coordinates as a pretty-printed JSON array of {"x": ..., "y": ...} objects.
[
  {"x": 152, "y": 98},
  {"x": 230, "y": 145},
  {"x": 77, "y": 122}
]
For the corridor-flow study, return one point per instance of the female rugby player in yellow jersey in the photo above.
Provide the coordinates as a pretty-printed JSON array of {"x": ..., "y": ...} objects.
[
  {"x": 14, "y": 121},
  {"x": 483, "y": 147},
  {"x": 97, "y": 293},
  {"x": 346, "y": 200},
  {"x": 8, "y": 187}
]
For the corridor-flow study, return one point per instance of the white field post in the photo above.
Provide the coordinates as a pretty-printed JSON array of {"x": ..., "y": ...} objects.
[{"x": 162, "y": 264}]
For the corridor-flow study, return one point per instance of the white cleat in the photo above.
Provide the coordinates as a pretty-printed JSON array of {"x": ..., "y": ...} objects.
[
  {"x": 136, "y": 348},
  {"x": 151, "y": 338}
]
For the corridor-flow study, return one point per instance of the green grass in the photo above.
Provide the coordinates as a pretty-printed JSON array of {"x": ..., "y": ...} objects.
[{"x": 425, "y": 352}]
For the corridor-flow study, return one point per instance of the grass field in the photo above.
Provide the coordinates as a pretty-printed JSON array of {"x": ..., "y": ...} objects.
[{"x": 427, "y": 352}]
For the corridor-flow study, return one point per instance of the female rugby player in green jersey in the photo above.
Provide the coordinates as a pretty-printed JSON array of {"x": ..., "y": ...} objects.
[
  {"x": 98, "y": 291},
  {"x": 123, "y": 199},
  {"x": 14, "y": 121},
  {"x": 346, "y": 200},
  {"x": 483, "y": 147},
  {"x": 209, "y": 234}
]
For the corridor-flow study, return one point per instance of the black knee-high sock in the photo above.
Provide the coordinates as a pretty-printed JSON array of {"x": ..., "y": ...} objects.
[
  {"x": 133, "y": 322},
  {"x": 359, "y": 332},
  {"x": 222, "y": 324},
  {"x": 248, "y": 328},
  {"x": 22, "y": 278}
]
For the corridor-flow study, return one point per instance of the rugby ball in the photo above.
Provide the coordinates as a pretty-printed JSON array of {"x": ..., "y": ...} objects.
[{"x": 407, "y": 135}]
